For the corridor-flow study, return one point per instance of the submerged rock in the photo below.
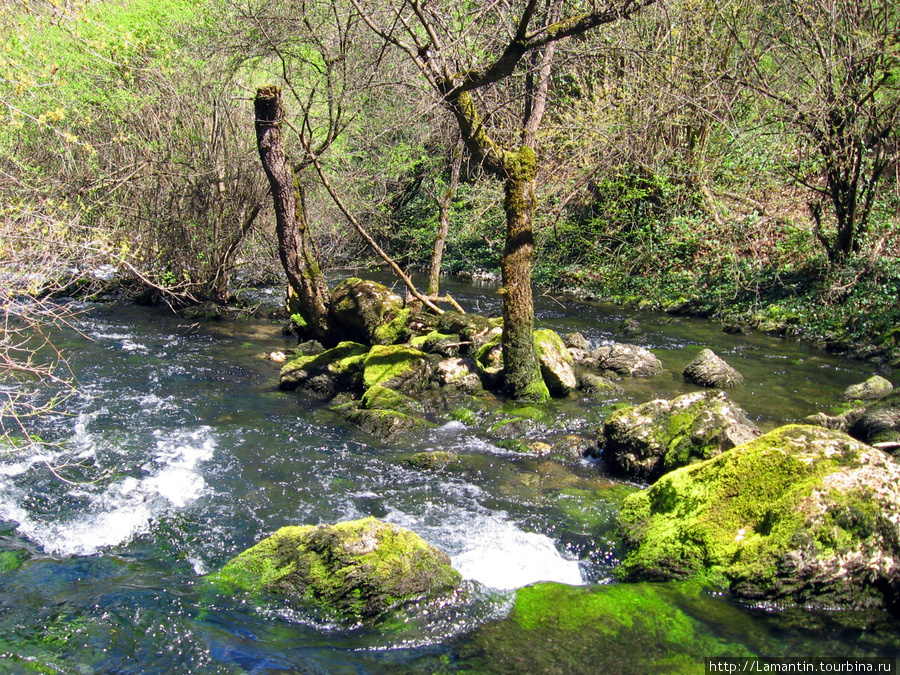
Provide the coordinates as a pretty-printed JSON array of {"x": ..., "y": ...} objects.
[
  {"x": 434, "y": 460},
  {"x": 355, "y": 570},
  {"x": 801, "y": 515},
  {"x": 873, "y": 389},
  {"x": 710, "y": 370},
  {"x": 627, "y": 629},
  {"x": 646, "y": 441},
  {"x": 385, "y": 424},
  {"x": 597, "y": 385}
]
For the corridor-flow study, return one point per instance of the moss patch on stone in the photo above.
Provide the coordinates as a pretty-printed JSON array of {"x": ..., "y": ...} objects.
[
  {"x": 633, "y": 628},
  {"x": 295, "y": 371},
  {"x": 354, "y": 570},
  {"x": 648, "y": 440},
  {"x": 389, "y": 365},
  {"x": 394, "y": 331},
  {"x": 802, "y": 514},
  {"x": 433, "y": 461},
  {"x": 385, "y": 424},
  {"x": 382, "y": 398}
]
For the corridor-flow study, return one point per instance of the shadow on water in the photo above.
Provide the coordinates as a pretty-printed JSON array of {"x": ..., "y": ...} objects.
[{"x": 179, "y": 451}]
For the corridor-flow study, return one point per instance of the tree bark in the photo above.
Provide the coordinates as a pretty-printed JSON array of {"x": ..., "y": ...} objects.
[
  {"x": 444, "y": 202},
  {"x": 295, "y": 245},
  {"x": 521, "y": 367}
]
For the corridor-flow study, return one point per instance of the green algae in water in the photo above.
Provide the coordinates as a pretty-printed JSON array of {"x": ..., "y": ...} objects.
[{"x": 627, "y": 628}]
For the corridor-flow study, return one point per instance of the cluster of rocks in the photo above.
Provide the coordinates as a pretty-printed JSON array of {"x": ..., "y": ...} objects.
[
  {"x": 400, "y": 370},
  {"x": 804, "y": 514}
]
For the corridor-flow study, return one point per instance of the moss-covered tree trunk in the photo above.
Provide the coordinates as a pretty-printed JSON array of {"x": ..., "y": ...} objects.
[
  {"x": 521, "y": 367},
  {"x": 295, "y": 245}
]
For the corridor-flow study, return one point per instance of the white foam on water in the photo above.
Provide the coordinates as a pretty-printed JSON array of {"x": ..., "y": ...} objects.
[
  {"x": 488, "y": 548},
  {"x": 123, "y": 509},
  {"x": 500, "y": 555}
]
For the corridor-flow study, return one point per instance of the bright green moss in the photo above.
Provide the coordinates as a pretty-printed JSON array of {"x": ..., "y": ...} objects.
[
  {"x": 382, "y": 398},
  {"x": 355, "y": 569},
  {"x": 343, "y": 351},
  {"x": 386, "y": 363},
  {"x": 629, "y": 629},
  {"x": 394, "y": 331},
  {"x": 738, "y": 517}
]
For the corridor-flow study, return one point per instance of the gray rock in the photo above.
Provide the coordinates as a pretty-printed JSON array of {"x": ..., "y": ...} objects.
[
  {"x": 646, "y": 441},
  {"x": 624, "y": 359},
  {"x": 459, "y": 372},
  {"x": 710, "y": 370},
  {"x": 576, "y": 341},
  {"x": 880, "y": 423},
  {"x": 873, "y": 389},
  {"x": 557, "y": 366}
]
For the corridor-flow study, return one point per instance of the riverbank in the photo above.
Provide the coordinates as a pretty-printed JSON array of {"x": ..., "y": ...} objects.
[{"x": 852, "y": 310}]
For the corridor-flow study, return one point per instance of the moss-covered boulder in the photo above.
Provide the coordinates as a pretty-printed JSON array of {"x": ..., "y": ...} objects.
[
  {"x": 325, "y": 374},
  {"x": 385, "y": 424},
  {"x": 710, "y": 370},
  {"x": 354, "y": 570},
  {"x": 646, "y": 441},
  {"x": 488, "y": 360},
  {"x": 595, "y": 385},
  {"x": 880, "y": 423},
  {"x": 557, "y": 366},
  {"x": 472, "y": 328},
  {"x": 396, "y": 367},
  {"x": 801, "y": 515},
  {"x": 359, "y": 308},
  {"x": 382, "y": 398},
  {"x": 873, "y": 389}
]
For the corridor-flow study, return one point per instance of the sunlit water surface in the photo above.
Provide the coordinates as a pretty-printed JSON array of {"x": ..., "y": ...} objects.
[{"x": 178, "y": 451}]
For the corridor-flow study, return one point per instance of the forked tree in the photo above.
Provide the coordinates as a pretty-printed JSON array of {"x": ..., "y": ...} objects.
[{"x": 490, "y": 64}]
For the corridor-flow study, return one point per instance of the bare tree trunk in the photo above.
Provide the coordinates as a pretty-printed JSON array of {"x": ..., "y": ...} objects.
[
  {"x": 295, "y": 246},
  {"x": 444, "y": 202}
]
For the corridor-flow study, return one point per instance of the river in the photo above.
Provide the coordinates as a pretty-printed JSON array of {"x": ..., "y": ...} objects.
[{"x": 178, "y": 451}]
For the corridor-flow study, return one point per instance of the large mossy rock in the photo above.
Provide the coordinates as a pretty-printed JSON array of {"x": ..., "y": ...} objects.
[
  {"x": 710, "y": 370},
  {"x": 801, "y": 515},
  {"x": 646, "y": 441},
  {"x": 326, "y": 374},
  {"x": 557, "y": 365},
  {"x": 354, "y": 570},
  {"x": 362, "y": 309}
]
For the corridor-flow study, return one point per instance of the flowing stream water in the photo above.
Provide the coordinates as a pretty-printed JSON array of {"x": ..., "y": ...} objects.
[{"x": 178, "y": 451}]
